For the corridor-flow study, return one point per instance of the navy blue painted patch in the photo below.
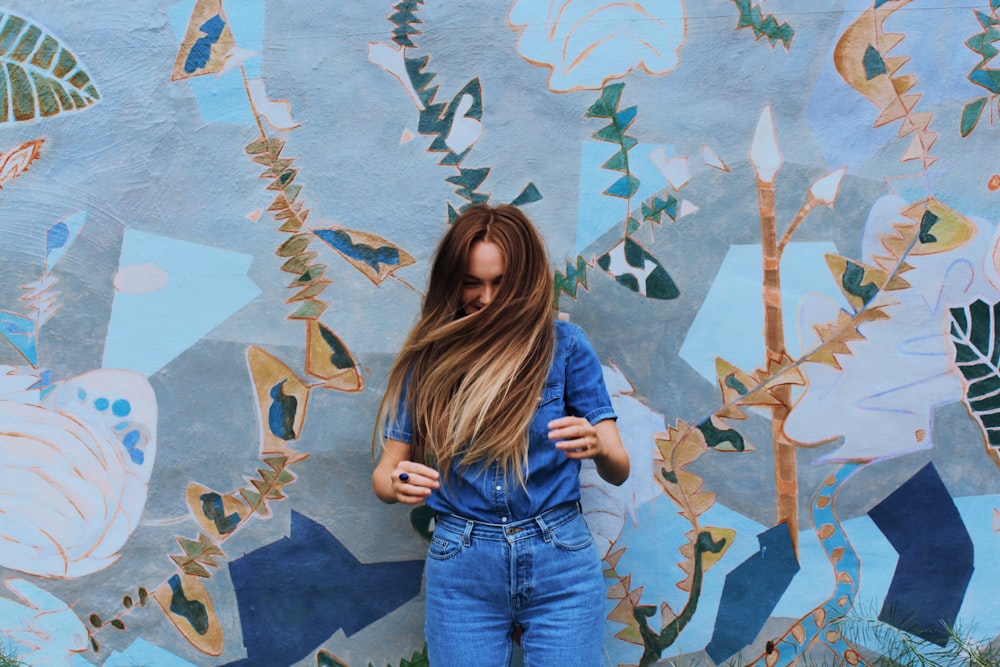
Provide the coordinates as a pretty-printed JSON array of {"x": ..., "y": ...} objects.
[
  {"x": 927, "y": 221},
  {"x": 214, "y": 509},
  {"x": 751, "y": 591},
  {"x": 281, "y": 413},
  {"x": 296, "y": 592},
  {"x": 193, "y": 610},
  {"x": 936, "y": 556},
  {"x": 373, "y": 257},
  {"x": 201, "y": 50}
]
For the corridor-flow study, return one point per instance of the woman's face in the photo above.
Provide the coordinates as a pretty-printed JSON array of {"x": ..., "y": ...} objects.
[{"x": 482, "y": 277}]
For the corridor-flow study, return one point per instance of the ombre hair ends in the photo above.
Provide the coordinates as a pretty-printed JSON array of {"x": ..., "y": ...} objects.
[{"x": 473, "y": 381}]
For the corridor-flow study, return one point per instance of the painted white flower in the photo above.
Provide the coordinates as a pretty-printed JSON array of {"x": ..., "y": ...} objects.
[
  {"x": 584, "y": 43},
  {"x": 75, "y": 462},
  {"x": 883, "y": 400}
]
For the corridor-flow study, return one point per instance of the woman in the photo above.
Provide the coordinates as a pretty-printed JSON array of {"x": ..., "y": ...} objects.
[{"x": 491, "y": 406}]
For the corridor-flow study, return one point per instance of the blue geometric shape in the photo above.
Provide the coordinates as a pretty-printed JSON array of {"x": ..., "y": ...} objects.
[
  {"x": 936, "y": 556},
  {"x": 296, "y": 592},
  {"x": 223, "y": 99},
  {"x": 735, "y": 303},
  {"x": 60, "y": 237},
  {"x": 281, "y": 413},
  {"x": 205, "y": 286},
  {"x": 201, "y": 51},
  {"x": 141, "y": 652},
  {"x": 751, "y": 591},
  {"x": 373, "y": 257},
  {"x": 20, "y": 332},
  {"x": 597, "y": 213}
]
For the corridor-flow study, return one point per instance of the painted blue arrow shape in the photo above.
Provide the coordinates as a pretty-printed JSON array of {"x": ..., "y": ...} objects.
[
  {"x": 296, "y": 592},
  {"x": 751, "y": 592},
  {"x": 936, "y": 556}
]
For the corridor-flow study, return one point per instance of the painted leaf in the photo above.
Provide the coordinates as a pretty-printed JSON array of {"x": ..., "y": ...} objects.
[
  {"x": 861, "y": 57},
  {"x": 739, "y": 387},
  {"x": 217, "y": 514},
  {"x": 282, "y": 399},
  {"x": 885, "y": 369},
  {"x": 17, "y": 161},
  {"x": 188, "y": 605},
  {"x": 974, "y": 334},
  {"x": 327, "y": 659},
  {"x": 971, "y": 114},
  {"x": 723, "y": 438},
  {"x": 720, "y": 539},
  {"x": 39, "y": 77},
  {"x": 370, "y": 254},
  {"x": 983, "y": 75},
  {"x": 569, "y": 280},
  {"x": 206, "y": 42},
  {"x": 584, "y": 43},
  {"x": 328, "y": 359},
  {"x": 763, "y": 26},
  {"x": 859, "y": 283},
  {"x": 676, "y": 448},
  {"x": 20, "y": 332},
  {"x": 634, "y": 267},
  {"x": 654, "y": 209},
  {"x": 941, "y": 228}
]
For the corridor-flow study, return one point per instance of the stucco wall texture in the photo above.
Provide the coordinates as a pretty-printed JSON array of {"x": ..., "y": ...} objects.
[{"x": 776, "y": 220}]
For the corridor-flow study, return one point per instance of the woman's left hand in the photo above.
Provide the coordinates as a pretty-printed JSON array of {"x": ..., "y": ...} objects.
[{"x": 576, "y": 437}]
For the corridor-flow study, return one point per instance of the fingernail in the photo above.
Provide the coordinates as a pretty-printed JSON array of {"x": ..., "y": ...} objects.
[{"x": 403, "y": 477}]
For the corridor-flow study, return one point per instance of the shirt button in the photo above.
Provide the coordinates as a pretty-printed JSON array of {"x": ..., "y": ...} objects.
[
  {"x": 504, "y": 519},
  {"x": 499, "y": 488}
]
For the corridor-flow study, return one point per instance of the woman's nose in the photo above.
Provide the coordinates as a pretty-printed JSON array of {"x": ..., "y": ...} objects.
[{"x": 486, "y": 297}]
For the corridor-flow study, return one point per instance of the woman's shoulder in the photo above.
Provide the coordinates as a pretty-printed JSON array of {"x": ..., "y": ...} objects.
[{"x": 566, "y": 329}]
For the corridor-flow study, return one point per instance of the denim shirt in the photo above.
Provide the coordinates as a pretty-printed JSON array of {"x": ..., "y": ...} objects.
[{"x": 574, "y": 387}]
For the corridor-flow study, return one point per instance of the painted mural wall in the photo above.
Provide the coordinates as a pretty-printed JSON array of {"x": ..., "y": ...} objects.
[{"x": 776, "y": 220}]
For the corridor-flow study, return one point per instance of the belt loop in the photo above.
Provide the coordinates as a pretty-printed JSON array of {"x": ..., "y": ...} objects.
[
  {"x": 467, "y": 534},
  {"x": 546, "y": 533}
]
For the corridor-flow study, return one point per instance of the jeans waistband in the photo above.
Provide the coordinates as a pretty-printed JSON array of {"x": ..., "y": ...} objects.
[{"x": 540, "y": 525}]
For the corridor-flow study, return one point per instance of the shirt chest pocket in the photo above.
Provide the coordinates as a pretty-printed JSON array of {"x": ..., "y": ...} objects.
[{"x": 550, "y": 406}]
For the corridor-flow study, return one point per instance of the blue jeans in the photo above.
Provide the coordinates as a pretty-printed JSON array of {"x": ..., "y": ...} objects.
[{"x": 541, "y": 574}]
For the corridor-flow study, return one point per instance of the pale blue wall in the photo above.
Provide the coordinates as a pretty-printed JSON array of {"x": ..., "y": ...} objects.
[{"x": 169, "y": 364}]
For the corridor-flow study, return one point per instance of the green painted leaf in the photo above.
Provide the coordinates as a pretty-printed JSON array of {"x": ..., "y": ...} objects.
[
  {"x": 405, "y": 19},
  {"x": 606, "y": 106},
  {"x": 971, "y": 114},
  {"x": 874, "y": 63},
  {"x": 975, "y": 336},
  {"x": 40, "y": 77},
  {"x": 567, "y": 282},
  {"x": 722, "y": 439},
  {"x": 624, "y": 187},
  {"x": 763, "y": 26},
  {"x": 634, "y": 267},
  {"x": 528, "y": 195}
]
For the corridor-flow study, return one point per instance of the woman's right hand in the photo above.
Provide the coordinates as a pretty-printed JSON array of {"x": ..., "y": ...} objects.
[
  {"x": 411, "y": 482},
  {"x": 397, "y": 479}
]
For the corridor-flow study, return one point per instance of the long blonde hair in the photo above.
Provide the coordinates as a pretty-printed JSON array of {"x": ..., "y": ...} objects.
[{"x": 472, "y": 382}]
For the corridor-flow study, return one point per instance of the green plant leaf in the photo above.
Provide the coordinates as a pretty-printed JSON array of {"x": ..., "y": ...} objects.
[
  {"x": 975, "y": 338},
  {"x": 971, "y": 114},
  {"x": 39, "y": 77}
]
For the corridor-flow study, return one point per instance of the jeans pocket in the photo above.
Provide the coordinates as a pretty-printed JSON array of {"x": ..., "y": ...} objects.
[
  {"x": 572, "y": 535},
  {"x": 444, "y": 544}
]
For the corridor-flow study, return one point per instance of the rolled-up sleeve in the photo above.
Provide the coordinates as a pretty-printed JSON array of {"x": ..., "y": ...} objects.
[
  {"x": 586, "y": 394},
  {"x": 401, "y": 428}
]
